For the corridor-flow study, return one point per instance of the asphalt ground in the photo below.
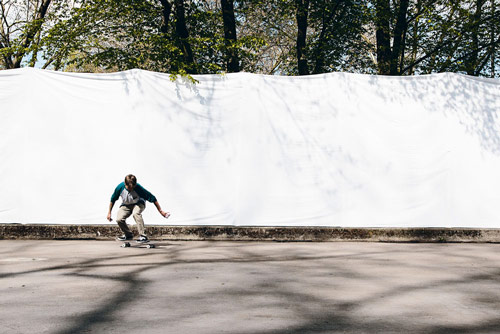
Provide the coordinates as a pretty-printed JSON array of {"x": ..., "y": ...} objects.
[{"x": 249, "y": 287}]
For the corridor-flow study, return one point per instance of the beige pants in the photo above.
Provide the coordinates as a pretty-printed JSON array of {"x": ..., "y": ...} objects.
[{"x": 126, "y": 211}]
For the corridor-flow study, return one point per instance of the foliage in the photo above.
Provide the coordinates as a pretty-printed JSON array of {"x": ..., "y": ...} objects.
[
  {"x": 25, "y": 27},
  {"x": 398, "y": 37},
  {"x": 446, "y": 35}
]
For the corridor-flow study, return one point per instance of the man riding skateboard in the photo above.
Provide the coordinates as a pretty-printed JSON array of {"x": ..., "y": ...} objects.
[{"x": 134, "y": 198}]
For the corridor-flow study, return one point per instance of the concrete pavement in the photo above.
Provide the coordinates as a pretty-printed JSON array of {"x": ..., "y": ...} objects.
[{"x": 249, "y": 287}]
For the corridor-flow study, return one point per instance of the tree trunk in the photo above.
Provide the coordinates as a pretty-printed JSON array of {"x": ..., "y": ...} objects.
[
  {"x": 31, "y": 33},
  {"x": 302, "y": 13},
  {"x": 384, "y": 53},
  {"x": 232, "y": 60},
  {"x": 183, "y": 34},
  {"x": 319, "y": 53},
  {"x": 415, "y": 38},
  {"x": 36, "y": 48},
  {"x": 165, "y": 11},
  {"x": 472, "y": 61},
  {"x": 399, "y": 32}
]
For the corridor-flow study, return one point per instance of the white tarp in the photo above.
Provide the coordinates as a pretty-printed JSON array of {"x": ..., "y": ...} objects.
[{"x": 242, "y": 149}]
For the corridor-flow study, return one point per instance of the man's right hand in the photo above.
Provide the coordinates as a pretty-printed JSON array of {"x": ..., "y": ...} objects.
[{"x": 109, "y": 217}]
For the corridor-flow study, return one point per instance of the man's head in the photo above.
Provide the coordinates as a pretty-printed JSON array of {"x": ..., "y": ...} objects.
[{"x": 130, "y": 182}]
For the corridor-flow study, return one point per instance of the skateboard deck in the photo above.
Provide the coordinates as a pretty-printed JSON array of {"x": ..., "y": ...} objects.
[
  {"x": 138, "y": 245},
  {"x": 127, "y": 244}
]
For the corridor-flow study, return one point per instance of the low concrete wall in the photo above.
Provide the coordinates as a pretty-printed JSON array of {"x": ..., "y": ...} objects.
[{"x": 107, "y": 232}]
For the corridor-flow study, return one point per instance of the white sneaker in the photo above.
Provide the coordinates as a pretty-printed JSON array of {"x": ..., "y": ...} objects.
[{"x": 142, "y": 239}]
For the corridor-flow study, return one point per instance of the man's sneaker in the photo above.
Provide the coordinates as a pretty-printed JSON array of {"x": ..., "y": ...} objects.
[
  {"x": 124, "y": 237},
  {"x": 142, "y": 239}
]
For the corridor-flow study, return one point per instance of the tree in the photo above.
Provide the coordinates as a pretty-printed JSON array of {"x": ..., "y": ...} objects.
[
  {"x": 435, "y": 36},
  {"x": 336, "y": 40},
  {"x": 302, "y": 14},
  {"x": 289, "y": 37},
  {"x": 314, "y": 36},
  {"x": 494, "y": 29},
  {"x": 122, "y": 35},
  {"x": 24, "y": 26},
  {"x": 481, "y": 37},
  {"x": 269, "y": 29},
  {"x": 177, "y": 36},
  {"x": 183, "y": 37},
  {"x": 228, "y": 17},
  {"x": 389, "y": 58}
]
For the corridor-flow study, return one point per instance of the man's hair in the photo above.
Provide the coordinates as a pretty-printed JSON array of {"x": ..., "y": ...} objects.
[{"x": 130, "y": 180}]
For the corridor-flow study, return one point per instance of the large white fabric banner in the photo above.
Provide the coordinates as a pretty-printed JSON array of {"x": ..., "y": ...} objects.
[{"x": 241, "y": 149}]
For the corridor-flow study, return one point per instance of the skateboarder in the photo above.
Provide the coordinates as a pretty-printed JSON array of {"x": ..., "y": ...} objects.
[{"x": 134, "y": 198}]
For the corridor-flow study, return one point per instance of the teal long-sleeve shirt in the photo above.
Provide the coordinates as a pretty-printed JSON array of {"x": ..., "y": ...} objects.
[{"x": 139, "y": 194}]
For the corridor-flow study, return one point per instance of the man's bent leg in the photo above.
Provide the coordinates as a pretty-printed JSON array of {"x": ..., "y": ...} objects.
[
  {"x": 123, "y": 213},
  {"x": 138, "y": 208}
]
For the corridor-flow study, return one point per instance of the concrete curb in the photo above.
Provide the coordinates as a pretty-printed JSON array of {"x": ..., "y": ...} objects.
[{"x": 238, "y": 233}]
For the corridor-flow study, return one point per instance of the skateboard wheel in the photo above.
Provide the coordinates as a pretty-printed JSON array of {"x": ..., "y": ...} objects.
[
  {"x": 150, "y": 246},
  {"x": 126, "y": 244}
]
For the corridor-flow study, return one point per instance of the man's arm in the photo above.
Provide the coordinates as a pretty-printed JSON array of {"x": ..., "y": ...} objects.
[
  {"x": 114, "y": 198},
  {"x": 141, "y": 191},
  {"x": 163, "y": 213},
  {"x": 111, "y": 204}
]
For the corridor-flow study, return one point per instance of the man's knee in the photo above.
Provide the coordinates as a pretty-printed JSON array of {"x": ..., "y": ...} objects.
[
  {"x": 121, "y": 219},
  {"x": 122, "y": 215},
  {"x": 137, "y": 213}
]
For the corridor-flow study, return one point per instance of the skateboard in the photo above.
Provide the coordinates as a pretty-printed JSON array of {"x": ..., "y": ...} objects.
[
  {"x": 139, "y": 245},
  {"x": 146, "y": 244}
]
